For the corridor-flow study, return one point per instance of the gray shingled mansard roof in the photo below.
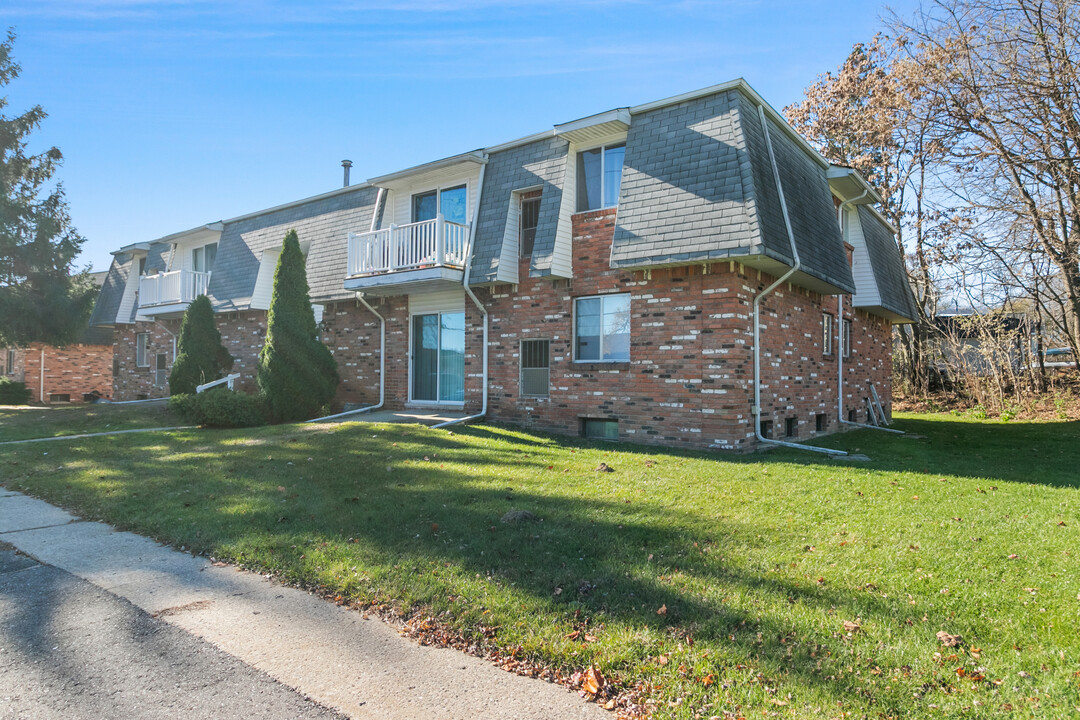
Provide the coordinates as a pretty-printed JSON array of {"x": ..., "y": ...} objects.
[
  {"x": 698, "y": 186},
  {"x": 324, "y": 221},
  {"x": 542, "y": 164},
  {"x": 112, "y": 291},
  {"x": 888, "y": 266}
]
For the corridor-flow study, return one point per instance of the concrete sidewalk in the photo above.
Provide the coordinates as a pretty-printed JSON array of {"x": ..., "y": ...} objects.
[{"x": 362, "y": 668}]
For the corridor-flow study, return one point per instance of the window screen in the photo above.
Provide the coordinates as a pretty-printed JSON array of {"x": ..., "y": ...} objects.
[
  {"x": 826, "y": 334},
  {"x": 530, "y": 218},
  {"x": 535, "y": 368}
]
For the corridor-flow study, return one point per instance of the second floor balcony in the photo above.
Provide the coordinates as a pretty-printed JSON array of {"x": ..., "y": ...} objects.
[
  {"x": 170, "y": 292},
  {"x": 403, "y": 257}
]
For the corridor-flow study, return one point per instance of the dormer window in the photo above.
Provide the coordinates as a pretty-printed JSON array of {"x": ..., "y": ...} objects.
[
  {"x": 202, "y": 258},
  {"x": 599, "y": 174},
  {"x": 530, "y": 218}
]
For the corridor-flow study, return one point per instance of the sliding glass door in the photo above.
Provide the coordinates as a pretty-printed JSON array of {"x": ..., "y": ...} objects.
[{"x": 438, "y": 357}]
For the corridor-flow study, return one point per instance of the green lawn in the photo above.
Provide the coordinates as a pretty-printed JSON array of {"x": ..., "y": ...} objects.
[
  {"x": 759, "y": 561},
  {"x": 25, "y": 422}
]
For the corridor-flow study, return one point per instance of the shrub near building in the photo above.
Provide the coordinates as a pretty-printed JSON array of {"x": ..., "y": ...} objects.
[
  {"x": 201, "y": 358},
  {"x": 297, "y": 373}
]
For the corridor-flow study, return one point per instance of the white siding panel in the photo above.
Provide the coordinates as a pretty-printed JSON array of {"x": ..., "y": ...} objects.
[
  {"x": 507, "y": 271},
  {"x": 866, "y": 287},
  {"x": 450, "y": 300},
  {"x": 264, "y": 281},
  {"x": 562, "y": 257}
]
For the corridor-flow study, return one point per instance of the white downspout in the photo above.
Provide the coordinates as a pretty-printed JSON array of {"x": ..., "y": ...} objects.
[
  {"x": 840, "y": 335},
  {"x": 382, "y": 367},
  {"x": 757, "y": 306},
  {"x": 41, "y": 380},
  {"x": 382, "y": 333},
  {"x": 479, "y": 305}
]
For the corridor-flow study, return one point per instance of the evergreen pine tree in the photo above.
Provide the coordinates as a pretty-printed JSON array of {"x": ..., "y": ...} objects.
[
  {"x": 40, "y": 299},
  {"x": 297, "y": 373},
  {"x": 201, "y": 358}
]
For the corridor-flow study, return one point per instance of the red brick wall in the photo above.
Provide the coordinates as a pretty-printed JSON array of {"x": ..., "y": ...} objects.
[
  {"x": 131, "y": 382},
  {"x": 72, "y": 370}
]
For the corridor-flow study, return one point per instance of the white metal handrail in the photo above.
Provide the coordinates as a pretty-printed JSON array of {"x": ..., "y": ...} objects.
[
  {"x": 228, "y": 380},
  {"x": 429, "y": 243},
  {"x": 177, "y": 286}
]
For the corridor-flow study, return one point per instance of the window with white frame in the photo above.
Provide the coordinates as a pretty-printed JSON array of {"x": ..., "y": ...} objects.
[
  {"x": 602, "y": 328},
  {"x": 845, "y": 339},
  {"x": 451, "y": 203},
  {"x": 10, "y": 368},
  {"x": 599, "y": 174},
  {"x": 141, "y": 342},
  {"x": 202, "y": 258},
  {"x": 535, "y": 367},
  {"x": 826, "y": 334}
]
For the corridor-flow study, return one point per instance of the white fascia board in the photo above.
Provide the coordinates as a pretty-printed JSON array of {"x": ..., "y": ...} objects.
[
  {"x": 841, "y": 172},
  {"x": 618, "y": 116},
  {"x": 141, "y": 247},
  {"x": 528, "y": 139},
  {"x": 477, "y": 157}
]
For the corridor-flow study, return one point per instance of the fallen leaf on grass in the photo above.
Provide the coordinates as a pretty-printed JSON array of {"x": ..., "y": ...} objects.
[
  {"x": 662, "y": 610},
  {"x": 852, "y": 627},
  {"x": 1013, "y": 556},
  {"x": 594, "y": 681},
  {"x": 949, "y": 640}
]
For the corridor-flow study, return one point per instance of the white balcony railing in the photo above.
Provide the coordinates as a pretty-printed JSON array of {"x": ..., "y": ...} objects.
[
  {"x": 430, "y": 243},
  {"x": 178, "y": 286}
]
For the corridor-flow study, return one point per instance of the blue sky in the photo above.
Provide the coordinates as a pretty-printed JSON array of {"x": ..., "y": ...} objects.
[{"x": 174, "y": 113}]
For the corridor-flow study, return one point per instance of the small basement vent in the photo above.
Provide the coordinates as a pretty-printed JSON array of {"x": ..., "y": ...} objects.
[
  {"x": 60, "y": 398},
  {"x": 600, "y": 429},
  {"x": 821, "y": 422},
  {"x": 791, "y": 427},
  {"x": 766, "y": 429}
]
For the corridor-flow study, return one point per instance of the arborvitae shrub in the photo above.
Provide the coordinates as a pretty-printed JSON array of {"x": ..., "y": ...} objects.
[
  {"x": 297, "y": 373},
  {"x": 220, "y": 407},
  {"x": 13, "y": 392},
  {"x": 200, "y": 358}
]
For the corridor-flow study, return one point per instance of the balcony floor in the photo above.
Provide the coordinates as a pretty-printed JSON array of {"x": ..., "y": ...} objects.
[{"x": 407, "y": 281}]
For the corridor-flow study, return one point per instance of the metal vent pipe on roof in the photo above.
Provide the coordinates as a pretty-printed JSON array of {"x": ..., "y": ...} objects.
[{"x": 346, "y": 164}]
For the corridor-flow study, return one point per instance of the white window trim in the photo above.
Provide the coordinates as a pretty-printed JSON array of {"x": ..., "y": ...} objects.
[
  {"x": 827, "y": 320},
  {"x": 438, "y": 189},
  {"x": 432, "y": 403},
  {"x": 145, "y": 350},
  {"x": 602, "y": 147},
  {"x": 845, "y": 337},
  {"x": 574, "y": 338}
]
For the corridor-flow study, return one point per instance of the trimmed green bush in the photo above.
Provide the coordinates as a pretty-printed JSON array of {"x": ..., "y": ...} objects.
[
  {"x": 297, "y": 373},
  {"x": 200, "y": 358},
  {"x": 219, "y": 407},
  {"x": 13, "y": 392}
]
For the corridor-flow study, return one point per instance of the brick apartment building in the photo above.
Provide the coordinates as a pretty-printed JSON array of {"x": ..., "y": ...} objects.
[
  {"x": 73, "y": 373},
  {"x": 598, "y": 278}
]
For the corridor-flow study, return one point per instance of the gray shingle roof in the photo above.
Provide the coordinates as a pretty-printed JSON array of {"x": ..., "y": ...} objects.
[
  {"x": 888, "y": 265},
  {"x": 698, "y": 185},
  {"x": 539, "y": 163},
  {"x": 325, "y": 223},
  {"x": 157, "y": 258},
  {"x": 112, "y": 291}
]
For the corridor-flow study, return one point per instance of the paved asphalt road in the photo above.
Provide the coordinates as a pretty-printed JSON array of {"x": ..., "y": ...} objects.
[{"x": 71, "y": 650}]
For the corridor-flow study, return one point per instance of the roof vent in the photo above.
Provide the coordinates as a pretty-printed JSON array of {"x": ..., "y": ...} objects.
[{"x": 346, "y": 164}]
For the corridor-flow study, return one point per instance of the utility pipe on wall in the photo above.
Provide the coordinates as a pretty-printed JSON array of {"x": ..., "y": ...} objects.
[
  {"x": 479, "y": 305},
  {"x": 757, "y": 305},
  {"x": 41, "y": 380},
  {"x": 382, "y": 368}
]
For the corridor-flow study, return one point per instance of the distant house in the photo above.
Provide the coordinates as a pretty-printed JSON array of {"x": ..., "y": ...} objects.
[
  {"x": 75, "y": 373},
  {"x": 595, "y": 278}
]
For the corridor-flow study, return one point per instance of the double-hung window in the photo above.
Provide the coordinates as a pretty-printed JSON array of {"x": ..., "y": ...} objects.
[
  {"x": 141, "y": 341},
  {"x": 599, "y": 174},
  {"x": 845, "y": 339},
  {"x": 826, "y": 334},
  {"x": 602, "y": 328}
]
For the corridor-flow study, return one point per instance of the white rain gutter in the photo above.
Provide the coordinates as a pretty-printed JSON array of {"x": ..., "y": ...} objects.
[
  {"x": 757, "y": 306},
  {"x": 41, "y": 368},
  {"x": 476, "y": 301},
  {"x": 840, "y": 337},
  {"x": 382, "y": 337}
]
